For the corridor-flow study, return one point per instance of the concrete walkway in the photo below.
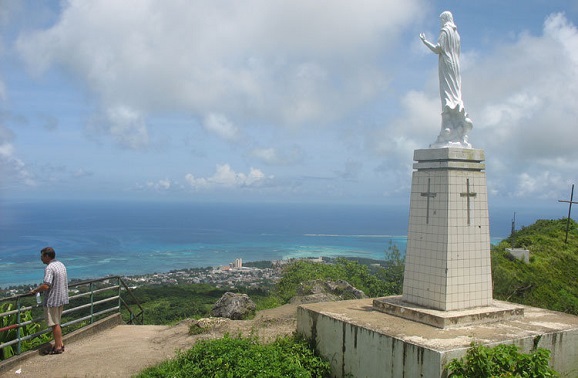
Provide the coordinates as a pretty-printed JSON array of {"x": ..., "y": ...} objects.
[
  {"x": 121, "y": 351},
  {"x": 125, "y": 350}
]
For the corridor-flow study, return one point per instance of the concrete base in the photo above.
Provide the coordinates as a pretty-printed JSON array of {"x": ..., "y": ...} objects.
[
  {"x": 519, "y": 253},
  {"x": 497, "y": 312},
  {"x": 362, "y": 342}
]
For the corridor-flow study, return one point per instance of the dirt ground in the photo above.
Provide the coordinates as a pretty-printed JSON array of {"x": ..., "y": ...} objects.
[{"x": 125, "y": 350}]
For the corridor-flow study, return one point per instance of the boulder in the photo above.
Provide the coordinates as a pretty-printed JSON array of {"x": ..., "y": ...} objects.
[
  {"x": 326, "y": 291},
  {"x": 234, "y": 306}
]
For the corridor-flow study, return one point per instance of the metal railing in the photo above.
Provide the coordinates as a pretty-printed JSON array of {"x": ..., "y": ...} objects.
[{"x": 89, "y": 301}]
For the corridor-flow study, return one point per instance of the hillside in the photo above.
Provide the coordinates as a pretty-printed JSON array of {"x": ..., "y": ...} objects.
[{"x": 550, "y": 278}]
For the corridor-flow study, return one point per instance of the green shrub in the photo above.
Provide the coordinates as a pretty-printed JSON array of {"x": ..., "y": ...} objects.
[
  {"x": 169, "y": 304},
  {"x": 373, "y": 281},
  {"x": 501, "y": 361},
  {"x": 12, "y": 334},
  {"x": 243, "y": 357}
]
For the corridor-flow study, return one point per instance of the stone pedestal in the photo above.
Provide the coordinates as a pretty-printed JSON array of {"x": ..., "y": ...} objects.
[
  {"x": 361, "y": 342},
  {"x": 447, "y": 265},
  {"x": 496, "y": 312},
  {"x": 447, "y": 292}
]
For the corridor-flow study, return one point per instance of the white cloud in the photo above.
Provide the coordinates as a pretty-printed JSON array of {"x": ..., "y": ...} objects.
[
  {"x": 325, "y": 88},
  {"x": 80, "y": 173},
  {"x": 395, "y": 142},
  {"x": 225, "y": 177},
  {"x": 351, "y": 170},
  {"x": 160, "y": 185},
  {"x": 517, "y": 108},
  {"x": 416, "y": 128},
  {"x": 525, "y": 99},
  {"x": 12, "y": 169},
  {"x": 522, "y": 94},
  {"x": 268, "y": 155},
  {"x": 126, "y": 126},
  {"x": 284, "y": 62},
  {"x": 277, "y": 156},
  {"x": 221, "y": 126},
  {"x": 7, "y": 12},
  {"x": 539, "y": 185},
  {"x": 196, "y": 183}
]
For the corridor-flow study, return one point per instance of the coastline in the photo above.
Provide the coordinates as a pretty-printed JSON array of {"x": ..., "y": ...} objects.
[
  {"x": 130, "y": 240},
  {"x": 253, "y": 274}
]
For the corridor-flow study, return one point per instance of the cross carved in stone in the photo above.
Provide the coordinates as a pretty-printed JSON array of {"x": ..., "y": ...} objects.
[
  {"x": 428, "y": 195},
  {"x": 468, "y": 195}
]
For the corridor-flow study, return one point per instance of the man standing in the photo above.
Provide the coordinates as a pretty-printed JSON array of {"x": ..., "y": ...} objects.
[{"x": 55, "y": 285}]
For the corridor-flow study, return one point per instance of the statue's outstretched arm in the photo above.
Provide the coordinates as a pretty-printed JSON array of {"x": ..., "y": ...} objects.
[{"x": 435, "y": 48}]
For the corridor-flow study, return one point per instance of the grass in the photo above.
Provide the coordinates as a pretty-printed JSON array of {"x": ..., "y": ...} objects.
[{"x": 239, "y": 356}]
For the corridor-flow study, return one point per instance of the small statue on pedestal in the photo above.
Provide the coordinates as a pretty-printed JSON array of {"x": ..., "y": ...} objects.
[{"x": 455, "y": 122}]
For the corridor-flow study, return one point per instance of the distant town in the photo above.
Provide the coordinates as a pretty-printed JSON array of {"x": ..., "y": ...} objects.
[
  {"x": 255, "y": 274},
  {"x": 233, "y": 275}
]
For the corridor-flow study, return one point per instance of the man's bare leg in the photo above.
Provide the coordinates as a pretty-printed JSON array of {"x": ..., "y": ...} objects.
[{"x": 57, "y": 333}]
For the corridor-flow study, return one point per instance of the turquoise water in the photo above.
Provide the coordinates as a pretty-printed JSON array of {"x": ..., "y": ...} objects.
[{"x": 104, "y": 238}]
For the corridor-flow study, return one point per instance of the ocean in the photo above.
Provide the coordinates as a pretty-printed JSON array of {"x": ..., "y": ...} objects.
[
  {"x": 95, "y": 239},
  {"x": 128, "y": 238}
]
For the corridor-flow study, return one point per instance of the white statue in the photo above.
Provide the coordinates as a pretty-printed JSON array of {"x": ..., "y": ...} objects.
[{"x": 455, "y": 121}]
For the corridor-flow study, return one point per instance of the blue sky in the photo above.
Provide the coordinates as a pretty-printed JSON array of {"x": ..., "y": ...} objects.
[{"x": 289, "y": 100}]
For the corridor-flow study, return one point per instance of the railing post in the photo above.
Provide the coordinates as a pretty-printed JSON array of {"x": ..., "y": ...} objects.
[
  {"x": 91, "y": 302},
  {"x": 119, "y": 291},
  {"x": 19, "y": 329}
]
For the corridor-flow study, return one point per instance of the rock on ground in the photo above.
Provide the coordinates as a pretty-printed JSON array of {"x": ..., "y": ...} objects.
[
  {"x": 326, "y": 291},
  {"x": 234, "y": 306}
]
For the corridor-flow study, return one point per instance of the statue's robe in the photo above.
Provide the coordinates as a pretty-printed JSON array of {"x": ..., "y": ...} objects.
[{"x": 449, "y": 69}]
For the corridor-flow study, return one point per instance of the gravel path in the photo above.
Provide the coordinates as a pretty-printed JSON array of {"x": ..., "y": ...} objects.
[{"x": 125, "y": 350}]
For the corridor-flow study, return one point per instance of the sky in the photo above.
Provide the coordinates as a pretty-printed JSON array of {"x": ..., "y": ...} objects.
[{"x": 281, "y": 101}]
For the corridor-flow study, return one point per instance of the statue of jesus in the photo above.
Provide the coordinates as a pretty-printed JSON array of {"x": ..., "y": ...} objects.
[{"x": 455, "y": 121}]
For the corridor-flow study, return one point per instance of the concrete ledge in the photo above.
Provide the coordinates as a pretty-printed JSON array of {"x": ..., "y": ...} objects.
[
  {"x": 106, "y": 323},
  {"x": 499, "y": 311},
  {"x": 449, "y": 165},
  {"x": 449, "y": 159},
  {"x": 457, "y": 154},
  {"x": 362, "y": 342}
]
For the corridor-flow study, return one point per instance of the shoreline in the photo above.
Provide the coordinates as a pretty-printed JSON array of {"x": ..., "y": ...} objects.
[{"x": 253, "y": 274}]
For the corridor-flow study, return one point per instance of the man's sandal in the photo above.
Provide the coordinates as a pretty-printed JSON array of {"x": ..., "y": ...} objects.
[{"x": 53, "y": 350}]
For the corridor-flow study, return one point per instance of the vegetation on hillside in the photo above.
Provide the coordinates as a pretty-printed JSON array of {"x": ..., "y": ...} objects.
[
  {"x": 503, "y": 360},
  {"x": 169, "y": 304},
  {"x": 243, "y": 357},
  {"x": 549, "y": 279},
  {"x": 375, "y": 280},
  {"x": 10, "y": 335}
]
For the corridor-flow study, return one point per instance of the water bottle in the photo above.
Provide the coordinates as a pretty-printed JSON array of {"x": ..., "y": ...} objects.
[{"x": 38, "y": 299}]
